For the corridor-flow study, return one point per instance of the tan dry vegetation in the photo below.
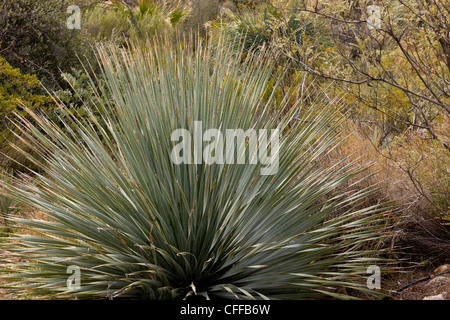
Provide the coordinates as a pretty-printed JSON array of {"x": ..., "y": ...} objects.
[
  {"x": 416, "y": 232},
  {"x": 10, "y": 258}
]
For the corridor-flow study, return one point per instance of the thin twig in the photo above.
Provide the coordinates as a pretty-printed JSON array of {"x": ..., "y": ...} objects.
[{"x": 431, "y": 276}]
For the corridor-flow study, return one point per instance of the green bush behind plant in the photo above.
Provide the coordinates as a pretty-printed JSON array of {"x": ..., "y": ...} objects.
[
  {"x": 120, "y": 23},
  {"x": 35, "y": 38},
  {"x": 16, "y": 92}
]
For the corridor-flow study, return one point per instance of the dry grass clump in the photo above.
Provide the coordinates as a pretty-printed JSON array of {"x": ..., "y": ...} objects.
[{"x": 413, "y": 172}]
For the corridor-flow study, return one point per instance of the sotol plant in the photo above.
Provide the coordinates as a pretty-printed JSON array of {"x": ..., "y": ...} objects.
[{"x": 138, "y": 225}]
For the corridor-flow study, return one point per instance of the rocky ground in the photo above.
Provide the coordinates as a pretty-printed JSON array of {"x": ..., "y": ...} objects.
[{"x": 425, "y": 285}]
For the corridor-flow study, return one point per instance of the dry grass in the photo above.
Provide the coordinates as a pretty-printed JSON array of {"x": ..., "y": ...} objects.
[
  {"x": 420, "y": 239},
  {"x": 8, "y": 260},
  {"x": 410, "y": 173}
]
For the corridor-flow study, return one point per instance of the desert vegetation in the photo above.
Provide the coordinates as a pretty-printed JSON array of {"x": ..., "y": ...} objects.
[{"x": 108, "y": 192}]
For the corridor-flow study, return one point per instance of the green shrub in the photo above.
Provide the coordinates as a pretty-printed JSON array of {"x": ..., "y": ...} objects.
[
  {"x": 140, "y": 226},
  {"x": 120, "y": 23},
  {"x": 295, "y": 39},
  {"x": 35, "y": 38},
  {"x": 17, "y": 91}
]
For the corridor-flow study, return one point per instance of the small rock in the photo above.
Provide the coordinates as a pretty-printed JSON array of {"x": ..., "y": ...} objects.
[
  {"x": 443, "y": 268},
  {"x": 439, "y": 282},
  {"x": 437, "y": 297}
]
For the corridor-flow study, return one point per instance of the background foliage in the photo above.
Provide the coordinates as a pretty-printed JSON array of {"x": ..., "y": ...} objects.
[{"x": 392, "y": 81}]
